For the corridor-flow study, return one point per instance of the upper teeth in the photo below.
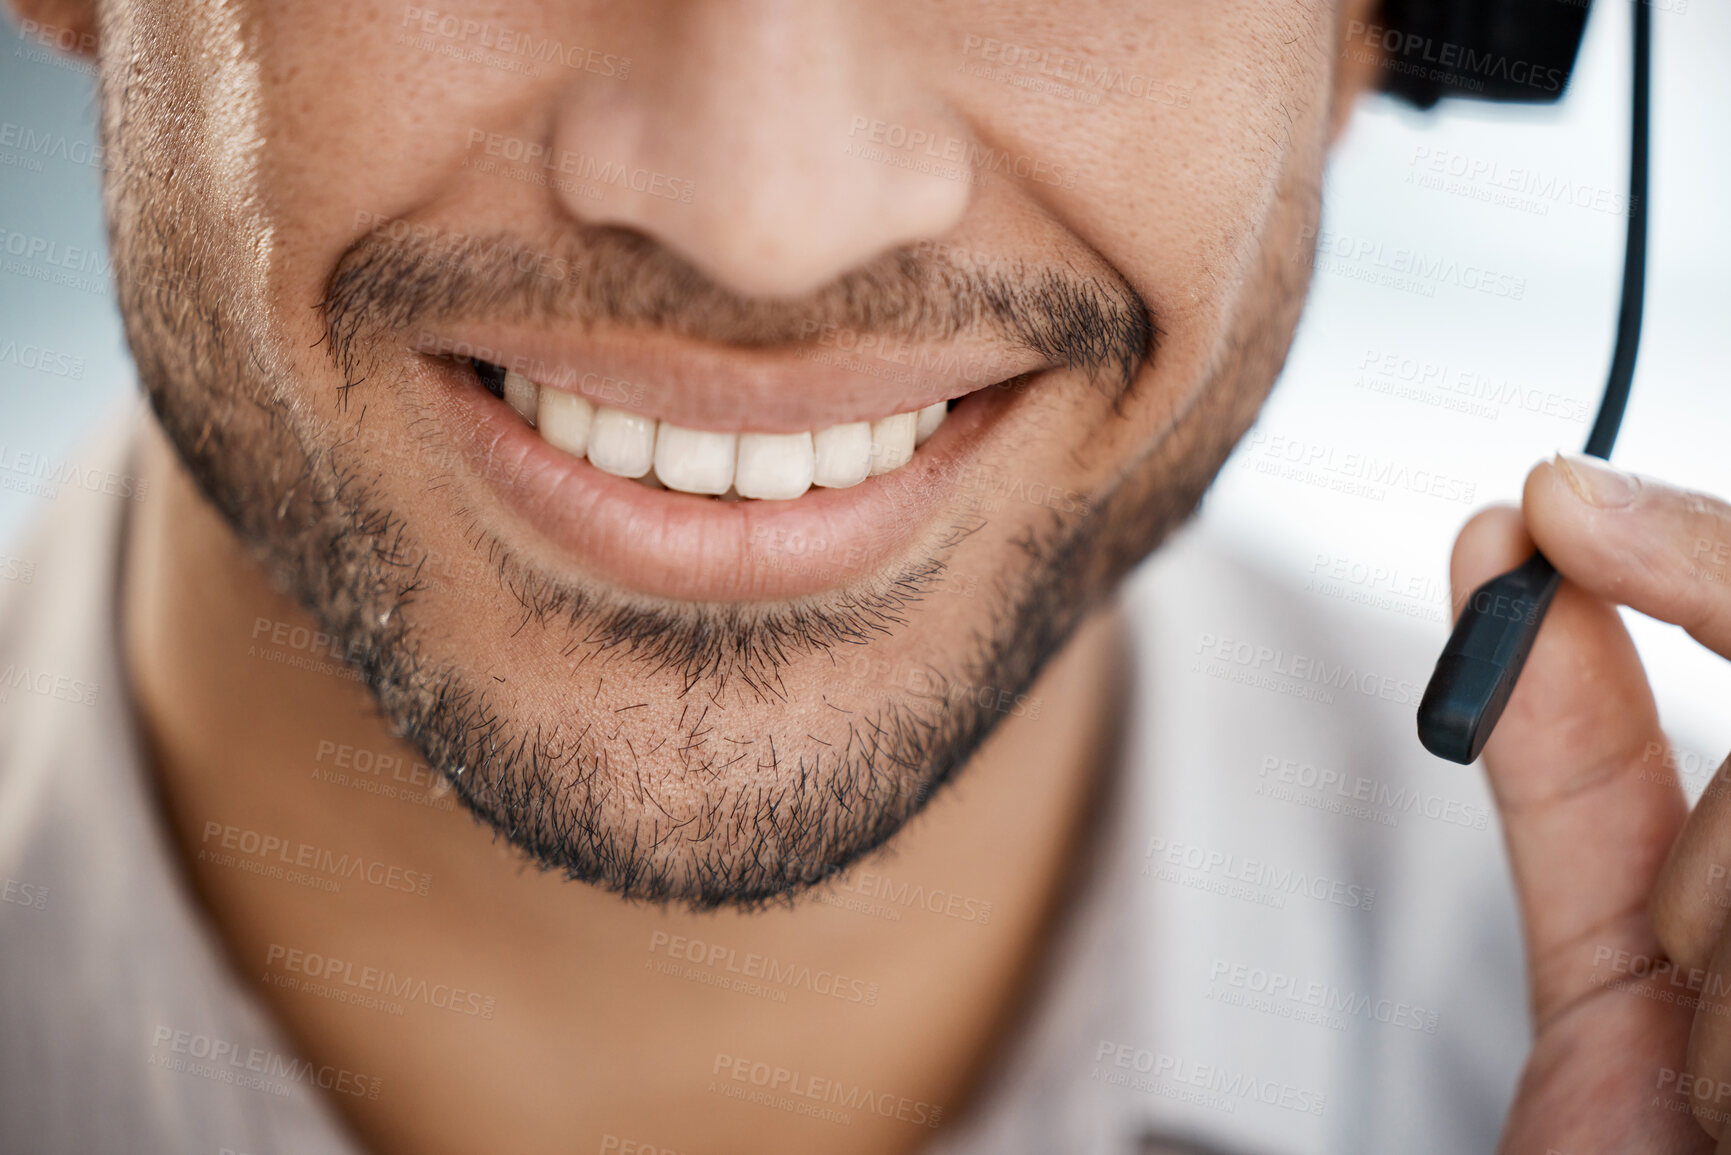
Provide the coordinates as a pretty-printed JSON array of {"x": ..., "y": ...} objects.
[{"x": 770, "y": 466}]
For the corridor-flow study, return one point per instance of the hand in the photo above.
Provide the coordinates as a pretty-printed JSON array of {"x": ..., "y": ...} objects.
[{"x": 1591, "y": 809}]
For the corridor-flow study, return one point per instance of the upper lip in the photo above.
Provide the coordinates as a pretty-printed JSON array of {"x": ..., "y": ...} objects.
[{"x": 727, "y": 389}]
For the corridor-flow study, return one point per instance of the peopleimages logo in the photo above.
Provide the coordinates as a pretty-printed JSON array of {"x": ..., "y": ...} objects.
[
  {"x": 1323, "y": 788},
  {"x": 1490, "y": 180},
  {"x": 1256, "y": 988},
  {"x": 24, "y": 894},
  {"x": 42, "y": 359},
  {"x": 580, "y": 165},
  {"x": 1291, "y": 671},
  {"x": 35, "y": 247},
  {"x": 1378, "y": 585},
  {"x": 806, "y": 1094},
  {"x": 768, "y": 969},
  {"x": 370, "y": 980},
  {"x": 1349, "y": 471},
  {"x": 1058, "y": 72},
  {"x": 872, "y": 136},
  {"x": 27, "y": 471},
  {"x": 60, "y": 687},
  {"x": 509, "y": 42},
  {"x": 1444, "y": 60},
  {"x": 1410, "y": 270},
  {"x": 1192, "y": 864},
  {"x": 225, "y": 1062},
  {"x": 1124, "y": 1065},
  {"x": 27, "y": 142},
  {"x": 268, "y": 852},
  {"x": 1467, "y": 384}
]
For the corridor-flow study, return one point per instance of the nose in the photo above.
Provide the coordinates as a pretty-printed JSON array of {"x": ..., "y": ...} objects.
[{"x": 748, "y": 136}]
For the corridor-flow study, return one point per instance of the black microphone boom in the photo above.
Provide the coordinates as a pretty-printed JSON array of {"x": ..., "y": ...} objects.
[{"x": 1497, "y": 626}]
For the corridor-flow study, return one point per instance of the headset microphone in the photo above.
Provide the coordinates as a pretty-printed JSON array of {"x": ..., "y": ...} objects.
[{"x": 1495, "y": 631}]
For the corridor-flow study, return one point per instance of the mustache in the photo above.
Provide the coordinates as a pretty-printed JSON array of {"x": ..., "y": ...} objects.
[{"x": 401, "y": 276}]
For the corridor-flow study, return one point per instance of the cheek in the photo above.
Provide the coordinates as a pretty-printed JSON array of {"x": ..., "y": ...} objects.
[
  {"x": 1173, "y": 130},
  {"x": 367, "y": 112},
  {"x": 371, "y": 111},
  {"x": 1190, "y": 195}
]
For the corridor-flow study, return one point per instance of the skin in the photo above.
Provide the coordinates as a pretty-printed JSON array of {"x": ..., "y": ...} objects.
[
  {"x": 276, "y": 147},
  {"x": 1609, "y": 863},
  {"x": 587, "y": 1039},
  {"x": 253, "y": 146}
]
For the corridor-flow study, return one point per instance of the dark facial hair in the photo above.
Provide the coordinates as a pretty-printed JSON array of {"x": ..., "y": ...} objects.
[{"x": 303, "y": 501}]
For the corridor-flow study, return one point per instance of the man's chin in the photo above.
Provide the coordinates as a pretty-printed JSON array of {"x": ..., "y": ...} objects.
[
  {"x": 746, "y": 837},
  {"x": 674, "y": 793}
]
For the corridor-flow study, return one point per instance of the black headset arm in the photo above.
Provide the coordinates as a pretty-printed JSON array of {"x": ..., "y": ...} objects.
[{"x": 1498, "y": 624}]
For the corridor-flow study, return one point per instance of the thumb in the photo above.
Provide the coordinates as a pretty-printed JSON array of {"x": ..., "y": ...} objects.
[{"x": 1587, "y": 813}]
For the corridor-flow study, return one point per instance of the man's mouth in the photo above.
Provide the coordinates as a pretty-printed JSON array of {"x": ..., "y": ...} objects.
[
  {"x": 696, "y": 473},
  {"x": 728, "y": 466}
]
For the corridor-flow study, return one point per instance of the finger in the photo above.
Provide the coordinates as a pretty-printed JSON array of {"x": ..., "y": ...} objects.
[
  {"x": 1636, "y": 542},
  {"x": 1667, "y": 553},
  {"x": 1691, "y": 897},
  {"x": 1587, "y": 822},
  {"x": 1709, "y": 1059}
]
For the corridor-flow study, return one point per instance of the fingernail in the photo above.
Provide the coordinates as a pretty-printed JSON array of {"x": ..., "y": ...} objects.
[{"x": 1596, "y": 483}]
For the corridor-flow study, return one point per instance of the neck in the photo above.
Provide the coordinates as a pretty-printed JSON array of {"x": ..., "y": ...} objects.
[{"x": 502, "y": 1008}]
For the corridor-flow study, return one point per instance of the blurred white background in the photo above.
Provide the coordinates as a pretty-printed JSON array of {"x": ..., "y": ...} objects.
[
  {"x": 1509, "y": 380},
  {"x": 1550, "y": 349}
]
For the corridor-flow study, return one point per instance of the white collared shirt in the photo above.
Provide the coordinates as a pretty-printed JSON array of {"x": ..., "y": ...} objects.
[{"x": 1294, "y": 935}]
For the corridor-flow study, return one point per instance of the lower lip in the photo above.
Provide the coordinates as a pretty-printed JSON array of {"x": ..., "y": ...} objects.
[{"x": 689, "y": 548}]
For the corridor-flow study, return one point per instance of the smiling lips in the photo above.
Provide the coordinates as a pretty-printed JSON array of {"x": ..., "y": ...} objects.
[
  {"x": 763, "y": 466},
  {"x": 652, "y": 490}
]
